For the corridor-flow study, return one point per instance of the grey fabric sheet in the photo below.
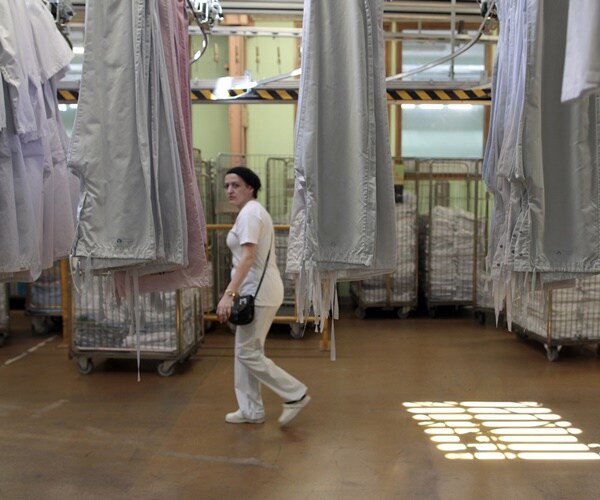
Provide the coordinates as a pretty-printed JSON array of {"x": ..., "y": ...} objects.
[
  {"x": 400, "y": 287},
  {"x": 342, "y": 223},
  {"x": 123, "y": 146},
  {"x": 581, "y": 75},
  {"x": 174, "y": 32},
  {"x": 541, "y": 160}
]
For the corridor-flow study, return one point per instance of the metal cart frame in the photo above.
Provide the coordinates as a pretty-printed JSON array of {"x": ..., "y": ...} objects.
[
  {"x": 43, "y": 299},
  {"x": 386, "y": 296},
  {"x": 4, "y": 316},
  {"x": 437, "y": 174},
  {"x": 84, "y": 354},
  {"x": 582, "y": 318}
]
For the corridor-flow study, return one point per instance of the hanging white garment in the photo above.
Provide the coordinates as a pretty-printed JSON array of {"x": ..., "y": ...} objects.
[
  {"x": 342, "y": 223},
  {"x": 53, "y": 56},
  {"x": 132, "y": 208},
  {"x": 32, "y": 52},
  {"x": 14, "y": 50},
  {"x": 582, "y": 61}
]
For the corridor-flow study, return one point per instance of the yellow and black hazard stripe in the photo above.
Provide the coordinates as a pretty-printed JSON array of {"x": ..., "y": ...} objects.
[
  {"x": 439, "y": 95},
  {"x": 68, "y": 96},
  {"x": 206, "y": 95},
  {"x": 291, "y": 95}
]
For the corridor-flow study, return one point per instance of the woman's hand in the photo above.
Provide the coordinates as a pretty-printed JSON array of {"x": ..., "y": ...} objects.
[{"x": 224, "y": 308}]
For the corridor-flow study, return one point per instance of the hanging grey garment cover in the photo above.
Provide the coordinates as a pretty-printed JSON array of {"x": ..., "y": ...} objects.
[
  {"x": 174, "y": 28},
  {"x": 123, "y": 146},
  {"x": 343, "y": 222},
  {"x": 582, "y": 62},
  {"x": 546, "y": 185},
  {"x": 559, "y": 160}
]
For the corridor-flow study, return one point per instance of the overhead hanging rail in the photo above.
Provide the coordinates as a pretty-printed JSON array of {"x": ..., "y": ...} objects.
[
  {"x": 490, "y": 6},
  {"x": 396, "y": 10},
  {"x": 392, "y": 10},
  {"x": 63, "y": 12}
]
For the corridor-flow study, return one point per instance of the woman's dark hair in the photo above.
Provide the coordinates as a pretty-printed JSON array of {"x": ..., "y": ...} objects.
[{"x": 248, "y": 176}]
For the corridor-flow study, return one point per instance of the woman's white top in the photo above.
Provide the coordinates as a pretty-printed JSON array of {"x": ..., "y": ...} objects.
[{"x": 254, "y": 225}]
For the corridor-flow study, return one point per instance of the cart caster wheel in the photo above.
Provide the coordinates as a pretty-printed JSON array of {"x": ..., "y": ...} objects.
[
  {"x": 402, "y": 312},
  {"x": 521, "y": 337},
  {"x": 597, "y": 349},
  {"x": 85, "y": 366},
  {"x": 296, "y": 330},
  {"x": 360, "y": 312},
  {"x": 40, "y": 325},
  {"x": 480, "y": 317},
  {"x": 165, "y": 369},
  {"x": 208, "y": 326},
  {"x": 432, "y": 312},
  {"x": 552, "y": 352}
]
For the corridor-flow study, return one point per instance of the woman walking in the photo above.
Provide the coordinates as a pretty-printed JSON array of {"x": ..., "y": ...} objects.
[{"x": 251, "y": 241}]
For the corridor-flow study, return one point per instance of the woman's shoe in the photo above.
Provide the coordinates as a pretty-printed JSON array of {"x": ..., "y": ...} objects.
[
  {"x": 291, "y": 410},
  {"x": 237, "y": 417}
]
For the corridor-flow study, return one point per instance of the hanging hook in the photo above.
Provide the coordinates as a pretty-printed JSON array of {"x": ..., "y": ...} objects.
[
  {"x": 206, "y": 13},
  {"x": 62, "y": 12}
]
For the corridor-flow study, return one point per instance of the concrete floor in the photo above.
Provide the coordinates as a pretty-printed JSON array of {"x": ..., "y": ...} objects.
[{"x": 65, "y": 435}]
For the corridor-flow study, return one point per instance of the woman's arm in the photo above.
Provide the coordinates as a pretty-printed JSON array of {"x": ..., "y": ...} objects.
[{"x": 239, "y": 275}]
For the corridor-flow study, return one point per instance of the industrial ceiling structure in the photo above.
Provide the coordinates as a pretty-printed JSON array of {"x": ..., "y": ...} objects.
[{"x": 450, "y": 22}]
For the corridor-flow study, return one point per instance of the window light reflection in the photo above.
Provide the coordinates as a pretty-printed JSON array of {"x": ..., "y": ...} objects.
[{"x": 488, "y": 430}]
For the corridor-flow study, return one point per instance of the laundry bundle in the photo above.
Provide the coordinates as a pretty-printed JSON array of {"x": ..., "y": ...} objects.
[
  {"x": 448, "y": 255},
  {"x": 542, "y": 158},
  {"x": 140, "y": 215},
  {"x": 342, "y": 221},
  {"x": 37, "y": 193},
  {"x": 399, "y": 287},
  {"x": 571, "y": 313},
  {"x": 102, "y": 321}
]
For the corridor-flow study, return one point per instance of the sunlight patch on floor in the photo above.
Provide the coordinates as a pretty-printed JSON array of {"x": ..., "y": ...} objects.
[{"x": 500, "y": 430}]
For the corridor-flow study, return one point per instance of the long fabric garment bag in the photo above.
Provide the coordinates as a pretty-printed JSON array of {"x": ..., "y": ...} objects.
[
  {"x": 132, "y": 208},
  {"x": 342, "y": 223},
  {"x": 174, "y": 34},
  {"x": 581, "y": 75},
  {"x": 559, "y": 160},
  {"x": 546, "y": 184}
]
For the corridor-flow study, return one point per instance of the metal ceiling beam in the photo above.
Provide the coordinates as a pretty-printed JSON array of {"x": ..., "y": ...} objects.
[
  {"x": 394, "y": 10},
  {"x": 416, "y": 10}
]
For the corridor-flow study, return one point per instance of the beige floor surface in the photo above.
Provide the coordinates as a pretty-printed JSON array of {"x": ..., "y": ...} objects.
[{"x": 64, "y": 435}]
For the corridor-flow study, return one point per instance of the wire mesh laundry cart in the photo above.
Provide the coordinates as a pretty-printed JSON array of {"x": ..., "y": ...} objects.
[
  {"x": 43, "y": 300},
  {"x": 447, "y": 194},
  {"x": 4, "y": 316},
  {"x": 397, "y": 290},
  {"x": 277, "y": 175},
  {"x": 559, "y": 316},
  {"x": 206, "y": 186},
  {"x": 102, "y": 325}
]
